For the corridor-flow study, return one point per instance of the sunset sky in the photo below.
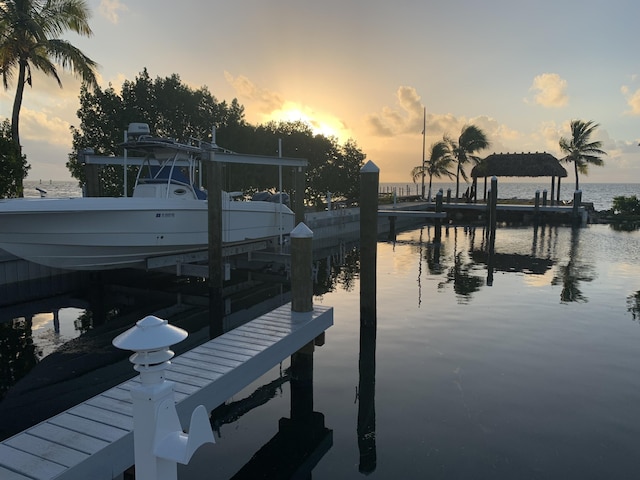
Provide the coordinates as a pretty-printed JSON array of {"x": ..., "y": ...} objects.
[{"x": 365, "y": 70}]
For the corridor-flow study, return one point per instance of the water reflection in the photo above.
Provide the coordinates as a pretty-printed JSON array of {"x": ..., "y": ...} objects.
[
  {"x": 575, "y": 271},
  {"x": 633, "y": 305},
  {"x": 18, "y": 354},
  {"x": 301, "y": 441},
  {"x": 460, "y": 273},
  {"x": 366, "y": 429}
]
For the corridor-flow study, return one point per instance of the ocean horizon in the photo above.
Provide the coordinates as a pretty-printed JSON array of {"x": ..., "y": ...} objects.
[{"x": 600, "y": 194}]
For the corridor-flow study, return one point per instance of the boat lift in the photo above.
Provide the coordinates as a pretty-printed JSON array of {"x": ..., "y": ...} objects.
[{"x": 187, "y": 264}]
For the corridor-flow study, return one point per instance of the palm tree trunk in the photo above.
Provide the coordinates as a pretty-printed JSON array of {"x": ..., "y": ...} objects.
[
  {"x": 458, "y": 181},
  {"x": 575, "y": 166},
  {"x": 15, "y": 118}
]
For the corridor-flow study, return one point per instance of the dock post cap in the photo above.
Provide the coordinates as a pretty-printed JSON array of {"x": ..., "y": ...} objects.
[
  {"x": 150, "y": 333},
  {"x": 301, "y": 231},
  {"x": 370, "y": 167}
]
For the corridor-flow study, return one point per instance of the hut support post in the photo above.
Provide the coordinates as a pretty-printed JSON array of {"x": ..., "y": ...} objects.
[{"x": 553, "y": 188}]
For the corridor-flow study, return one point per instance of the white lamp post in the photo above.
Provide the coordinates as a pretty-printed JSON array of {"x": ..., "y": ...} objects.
[{"x": 159, "y": 441}]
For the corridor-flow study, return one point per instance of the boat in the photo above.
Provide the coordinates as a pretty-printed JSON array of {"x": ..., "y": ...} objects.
[{"x": 166, "y": 215}]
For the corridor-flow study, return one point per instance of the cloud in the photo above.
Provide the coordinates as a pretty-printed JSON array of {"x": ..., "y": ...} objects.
[
  {"x": 267, "y": 101},
  {"x": 42, "y": 126},
  {"x": 111, "y": 9},
  {"x": 550, "y": 91},
  {"x": 405, "y": 118},
  {"x": 633, "y": 100}
]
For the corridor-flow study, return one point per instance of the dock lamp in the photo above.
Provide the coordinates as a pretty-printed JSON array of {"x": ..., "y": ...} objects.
[{"x": 159, "y": 441}]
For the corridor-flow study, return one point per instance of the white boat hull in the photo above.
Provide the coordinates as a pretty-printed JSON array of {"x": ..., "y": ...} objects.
[{"x": 108, "y": 233}]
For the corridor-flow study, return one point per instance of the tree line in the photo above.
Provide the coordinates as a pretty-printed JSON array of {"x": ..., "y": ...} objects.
[{"x": 175, "y": 110}]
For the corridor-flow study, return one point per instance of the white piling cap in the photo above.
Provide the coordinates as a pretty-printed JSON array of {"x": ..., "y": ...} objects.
[
  {"x": 150, "y": 333},
  {"x": 301, "y": 231},
  {"x": 370, "y": 167}
]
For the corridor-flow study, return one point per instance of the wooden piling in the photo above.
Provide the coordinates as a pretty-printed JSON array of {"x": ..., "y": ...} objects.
[
  {"x": 438, "y": 222},
  {"x": 213, "y": 171},
  {"x": 493, "y": 220},
  {"x": 369, "y": 179},
  {"x": 301, "y": 269},
  {"x": 302, "y": 302},
  {"x": 577, "y": 203}
]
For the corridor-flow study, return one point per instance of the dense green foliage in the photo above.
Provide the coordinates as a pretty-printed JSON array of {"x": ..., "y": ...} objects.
[
  {"x": 626, "y": 205},
  {"x": 175, "y": 110},
  {"x": 13, "y": 166}
]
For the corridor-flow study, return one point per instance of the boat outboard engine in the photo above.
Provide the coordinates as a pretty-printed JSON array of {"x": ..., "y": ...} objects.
[
  {"x": 279, "y": 198},
  {"x": 261, "y": 197}
]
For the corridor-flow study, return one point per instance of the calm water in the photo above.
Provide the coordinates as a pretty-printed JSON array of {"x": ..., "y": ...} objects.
[
  {"x": 525, "y": 370},
  {"x": 534, "y": 377}
]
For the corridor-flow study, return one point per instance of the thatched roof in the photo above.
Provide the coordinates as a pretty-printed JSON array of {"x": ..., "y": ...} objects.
[{"x": 519, "y": 165}]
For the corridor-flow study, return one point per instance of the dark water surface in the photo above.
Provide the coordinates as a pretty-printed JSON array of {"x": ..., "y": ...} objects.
[
  {"x": 522, "y": 364},
  {"x": 533, "y": 377}
]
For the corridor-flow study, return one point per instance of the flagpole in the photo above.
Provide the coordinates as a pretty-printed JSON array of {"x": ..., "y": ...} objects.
[{"x": 424, "y": 134}]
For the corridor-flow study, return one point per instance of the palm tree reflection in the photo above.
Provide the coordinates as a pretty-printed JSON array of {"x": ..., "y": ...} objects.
[
  {"x": 633, "y": 305},
  {"x": 574, "y": 272},
  {"x": 464, "y": 283}
]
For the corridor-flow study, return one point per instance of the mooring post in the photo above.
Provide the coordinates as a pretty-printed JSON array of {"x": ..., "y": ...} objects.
[
  {"x": 301, "y": 269},
  {"x": 369, "y": 178},
  {"x": 438, "y": 222},
  {"x": 449, "y": 196},
  {"x": 214, "y": 219},
  {"x": 302, "y": 302},
  {"x": 392, "y": 228},
  {"x": 494, "y": 206},
  {"x": 577, "y": 203},
  {"x": 544, "y": 197}
]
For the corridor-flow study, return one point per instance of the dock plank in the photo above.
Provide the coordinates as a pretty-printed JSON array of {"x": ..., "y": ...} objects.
[
  {"x": 11, "y": 475},
  {"x": 63, "y": 436},
  {"x": 32, "y": 466},
  {"x": 48, "y": 450},
  {"x": 95, "y": 439}
]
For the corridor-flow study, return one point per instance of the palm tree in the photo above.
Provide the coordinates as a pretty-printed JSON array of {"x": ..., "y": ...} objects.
[
  {"x": 580, "y": 150},
  {"x": 440, "y": 160},
  {"x": 471, "y": 140},
  {"x": 28, "y": 31}
]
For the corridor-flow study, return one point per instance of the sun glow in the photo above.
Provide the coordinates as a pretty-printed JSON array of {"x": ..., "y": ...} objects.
[{"x": 321, "y": 124}]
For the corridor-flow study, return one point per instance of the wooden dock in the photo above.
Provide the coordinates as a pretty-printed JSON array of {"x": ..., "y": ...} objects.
[{"x": 94, "y": 440}]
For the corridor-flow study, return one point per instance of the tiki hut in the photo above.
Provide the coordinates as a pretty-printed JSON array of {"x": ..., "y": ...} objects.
[{"x": 519, "y": 165}]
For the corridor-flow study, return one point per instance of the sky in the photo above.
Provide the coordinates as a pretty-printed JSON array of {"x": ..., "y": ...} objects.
[{"x": 367, "y": 69}]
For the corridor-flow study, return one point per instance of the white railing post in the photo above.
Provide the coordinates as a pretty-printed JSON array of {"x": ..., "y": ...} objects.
[{"x": 159, "y": 442}]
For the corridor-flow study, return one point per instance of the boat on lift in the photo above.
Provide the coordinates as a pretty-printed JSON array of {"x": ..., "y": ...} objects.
[{"x": 166, "y": 215}]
